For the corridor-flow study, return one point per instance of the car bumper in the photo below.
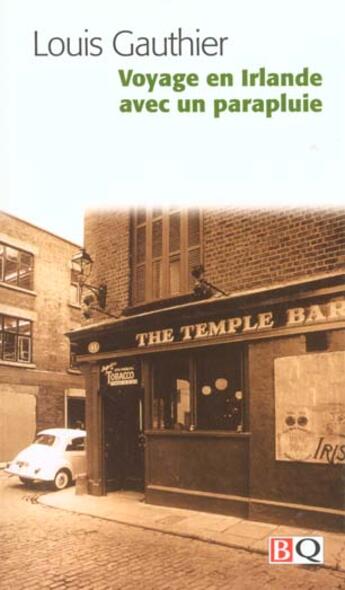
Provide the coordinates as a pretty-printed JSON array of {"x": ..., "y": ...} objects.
[{"x": 27, "y": 473}]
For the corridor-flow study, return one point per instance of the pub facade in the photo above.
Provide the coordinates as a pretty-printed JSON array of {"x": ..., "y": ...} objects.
[{"x": 216, "y": 380}]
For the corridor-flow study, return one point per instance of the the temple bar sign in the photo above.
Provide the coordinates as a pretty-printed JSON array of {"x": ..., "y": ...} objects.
[
  {"x": 121, "y": 374},
  {"x": 293, "y": 317}
]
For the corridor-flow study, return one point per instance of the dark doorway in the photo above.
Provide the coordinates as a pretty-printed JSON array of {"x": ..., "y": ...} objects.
[
  {"x": 123, "y": 439},
  {"x": 76, "y": 412}
]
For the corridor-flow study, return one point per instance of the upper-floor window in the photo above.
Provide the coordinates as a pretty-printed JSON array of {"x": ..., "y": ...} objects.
[
  {"x": 16, "y": 267},
  {"x": 15, "y": 339},
  {"x": 166, "y": 245}
]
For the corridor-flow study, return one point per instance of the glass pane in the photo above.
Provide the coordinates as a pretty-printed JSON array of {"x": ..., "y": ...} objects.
[
  {"x": 174, "y": 276},
  {"x": 193, "y": 228},
  {"x": 10, "y": 324},
  {"x": 157, "y": 279},
  {"x": 156, "y": 213},
  {"x": 24, "y": 327},
  {"x": 140, "y": 284},
  {"x": 45, "y": 439},
  {"x": 157, "y": 240},
  {"x": 75, "y": 274},
  {"x": 219, "y": 389},
  {"x": 9, "y": 347},
  {"x": 11, "y": 266},
  {"x": 24, "y": 349},
  {"x": 141, "y": 216},
  {"x": 157, "y": 413},
  {"x": 174, "y": 232},
  {"x": 172, "y": 394},
  {"x": 25, "y": 278},
  {"x": 141, "y": 244},
  {"x": 194, "y": 259},
  {"x": 183, "y": 403}
]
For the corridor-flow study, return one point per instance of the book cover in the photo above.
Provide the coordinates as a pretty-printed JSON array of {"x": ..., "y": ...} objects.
[{"x": 172, "y": 235}]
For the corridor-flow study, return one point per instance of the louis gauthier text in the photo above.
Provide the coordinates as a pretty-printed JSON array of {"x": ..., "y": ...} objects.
[{"x": 127, "y": 43}]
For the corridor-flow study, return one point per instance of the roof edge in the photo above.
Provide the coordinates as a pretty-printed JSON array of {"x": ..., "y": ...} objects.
[{"x": 2, "y": 212}]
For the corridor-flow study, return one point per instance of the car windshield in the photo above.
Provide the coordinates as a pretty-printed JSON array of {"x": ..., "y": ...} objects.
[{"x": 45, "y": 439}]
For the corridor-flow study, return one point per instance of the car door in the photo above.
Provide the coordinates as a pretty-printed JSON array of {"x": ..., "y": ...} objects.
[{"x": 76, "y": 455}]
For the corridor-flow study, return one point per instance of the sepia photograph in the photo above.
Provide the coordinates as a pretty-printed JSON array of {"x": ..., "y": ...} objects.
[{"x": 172, "y": 296}]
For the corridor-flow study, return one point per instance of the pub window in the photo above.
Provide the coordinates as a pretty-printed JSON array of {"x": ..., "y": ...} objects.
[
  {"x": 15, "y": 339},
  {"x": 200, "y": 390},
  {"x": 219, "y": 390},
  {"x": 16, "y": 267},
  {"x": 166, "y": 245},
  {"x": 172, "y": 403}
]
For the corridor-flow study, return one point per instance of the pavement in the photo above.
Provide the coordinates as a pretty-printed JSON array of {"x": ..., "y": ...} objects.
[{"x": 129, "y": 508}]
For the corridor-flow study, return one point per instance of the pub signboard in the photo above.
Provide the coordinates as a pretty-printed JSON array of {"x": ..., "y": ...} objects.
[{"x": 121, "y": 373}]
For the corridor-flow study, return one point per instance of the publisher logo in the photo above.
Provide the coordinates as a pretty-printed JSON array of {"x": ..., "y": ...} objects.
[{"x": 296, "y": 550}]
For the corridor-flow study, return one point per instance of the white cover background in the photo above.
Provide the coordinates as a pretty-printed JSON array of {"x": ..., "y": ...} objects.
[{"x": 64, "y": 145}]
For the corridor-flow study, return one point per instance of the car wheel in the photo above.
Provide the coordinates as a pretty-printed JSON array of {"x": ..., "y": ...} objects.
[{"x": 62, "y": 479}]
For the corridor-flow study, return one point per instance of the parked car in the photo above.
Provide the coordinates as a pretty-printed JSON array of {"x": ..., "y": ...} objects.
[{"x": 57, "y": 455}]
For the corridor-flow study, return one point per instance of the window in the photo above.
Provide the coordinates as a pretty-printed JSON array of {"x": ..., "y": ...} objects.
[
  {"x": 15, "y": 339},
  {"x": 199, "y": 390},
  {"x": 219, "y": 391},
  {"x": 172, "y": 404},
  {"x": 77, "y": 444},
  {"x": 16, "y": 267},
  {"x": 45, "y": 439},
  {"x": 75, "y": 287},
  {"x": 166, "y": 246},
  {"x": 76, "y": 412}
]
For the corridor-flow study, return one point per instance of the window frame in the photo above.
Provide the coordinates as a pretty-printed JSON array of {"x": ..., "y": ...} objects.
[
  {"x": 76, "y": 441},
  {"x": 156, "y": 420},
  {"x": 19, "y": 337},
  {"x": 165, "y": 257},
  {"x": 19, "y": 266}
]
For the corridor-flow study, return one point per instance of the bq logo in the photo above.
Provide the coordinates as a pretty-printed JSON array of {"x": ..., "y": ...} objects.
[{"x": 292, "y": 550}]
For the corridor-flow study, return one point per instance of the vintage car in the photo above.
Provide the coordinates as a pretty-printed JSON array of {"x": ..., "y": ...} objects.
[{"x": 57, "y": 455}]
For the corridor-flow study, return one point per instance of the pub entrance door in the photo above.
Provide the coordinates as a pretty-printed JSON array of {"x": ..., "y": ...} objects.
[{"x": 123, "y": 439}]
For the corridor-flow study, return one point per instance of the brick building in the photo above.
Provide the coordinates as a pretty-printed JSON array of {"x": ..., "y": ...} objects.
[
  {"x": 38, "y": 305},
  {"x": 221, "y": 390}
]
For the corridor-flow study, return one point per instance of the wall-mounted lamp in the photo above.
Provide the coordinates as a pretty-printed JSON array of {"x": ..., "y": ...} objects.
[
  {"x": 202, "y": 287},
  {"x": 82, "y": 264}
]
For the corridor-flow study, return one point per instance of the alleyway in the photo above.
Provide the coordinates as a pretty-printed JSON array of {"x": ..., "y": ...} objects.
[{"x": 43, "y": 547}]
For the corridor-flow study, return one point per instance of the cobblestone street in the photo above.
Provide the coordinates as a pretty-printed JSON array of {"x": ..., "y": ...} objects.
[{"x": 43, "y": 547}]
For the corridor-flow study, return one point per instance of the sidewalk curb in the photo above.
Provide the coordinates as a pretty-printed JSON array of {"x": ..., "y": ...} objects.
[{"x": 194, "y": 537}]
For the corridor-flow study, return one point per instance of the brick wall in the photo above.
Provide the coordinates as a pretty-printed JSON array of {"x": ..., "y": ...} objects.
[
  {"x": 247, "y": 249},
  {"x": 107, "y": 241},
  {"x": 50, "y": 407},
  {"x": 290, "y": 481},
  {"x": 243, "y": 249},
  {"x": 48, "y": 305},
  {"x": 51, "y": 297}
]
